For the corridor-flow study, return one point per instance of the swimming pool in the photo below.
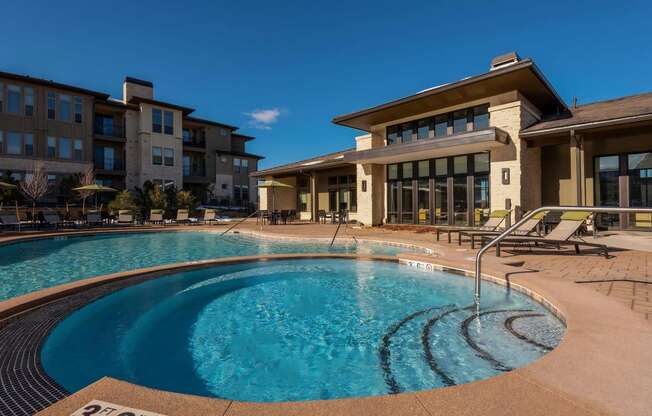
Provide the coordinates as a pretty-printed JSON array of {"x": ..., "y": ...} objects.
[
  {"x": 299, "y": 330},
  {"x": 29, "y": 266}
]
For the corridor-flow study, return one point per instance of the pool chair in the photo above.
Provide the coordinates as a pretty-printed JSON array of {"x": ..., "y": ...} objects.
[
  {"x": 156, "y": 216},
  {"x": 125, "y": 217},
  {"x": 527, "y": 228},
  {"x": 182, "y": 217},
  {"x": 94, "y": 218},
  {"x": 561, "y": 235},
  {"x": 51, "y": 218},
  {"x": 10, "y": 221},
  {"x": 209, "y": 216},
  {"x": 494, "y": 223}
]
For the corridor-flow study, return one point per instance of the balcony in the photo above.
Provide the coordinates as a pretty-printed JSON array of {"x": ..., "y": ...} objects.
[
  {"x": 110, "y": 166},
  {"x": 108, "y": 130},
  {"x": 196, "y": 142}
]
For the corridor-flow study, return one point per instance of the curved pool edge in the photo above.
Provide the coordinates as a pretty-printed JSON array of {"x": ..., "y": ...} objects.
[{"x": 565, "y": 381}]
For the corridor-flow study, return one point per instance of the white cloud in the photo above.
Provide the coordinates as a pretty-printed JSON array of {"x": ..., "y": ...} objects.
[{"x": 264, "y": 118}]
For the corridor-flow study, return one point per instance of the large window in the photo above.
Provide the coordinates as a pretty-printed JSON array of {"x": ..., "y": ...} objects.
[
  {"x": 28, "y": 144},
  {"x": 65, "y": 148},
  {"x": 14, "y": 143},
  {"x": 245, "y": 165},
  {"x": 424, "y": 192},
  {"x": 186, "y": 165},
  {"x": 52, "y": 105},
  {"x": 168, "y": 156},
  {"x": 64, "y": 107},
  {"x": 52, "y": 147},
  {"x": 29, "y": 101},
  {"x": 639, "y": 166},
  {"x": 168, "y": 122},
  {"x": 440, "y": 125},
  {"x": 78, "y": 109},
  {"x": 157, "y": 155},
  {"x": 237, "y": 163},
  {"x": 607, "y": 171},
  {"x": 13, "y": 99},
  {"x": 341, "y": 193},
  {"x": 157, "y": 120},
  {"x": 78, "y": 153}
]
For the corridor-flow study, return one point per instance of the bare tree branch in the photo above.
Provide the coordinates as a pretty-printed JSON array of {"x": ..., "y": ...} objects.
[{"x": 35, "y": 186}]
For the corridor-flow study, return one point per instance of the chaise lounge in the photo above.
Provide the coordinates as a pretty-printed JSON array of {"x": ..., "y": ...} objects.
[
  {"x": 496, "y": 219},
  {"x": 525, "y": 229},
  {"x": 561, "y": 235}
]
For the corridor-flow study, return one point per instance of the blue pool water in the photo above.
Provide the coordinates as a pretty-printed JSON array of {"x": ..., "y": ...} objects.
[
  {"x": 298, "y": 330},
  {"x": 30, "y": 266}
]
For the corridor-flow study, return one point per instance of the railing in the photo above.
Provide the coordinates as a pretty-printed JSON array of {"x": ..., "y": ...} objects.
[
  {"x": 508, "y": 231},
  {"x": 239, "y": 222},
  {"x": 109, "y": 130},
  {"x": 115, "y": 165},
  {"x": 194, "y": 142}
]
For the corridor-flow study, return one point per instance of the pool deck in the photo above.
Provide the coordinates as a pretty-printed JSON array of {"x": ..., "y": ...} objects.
[{"x": 602, "y": 365}]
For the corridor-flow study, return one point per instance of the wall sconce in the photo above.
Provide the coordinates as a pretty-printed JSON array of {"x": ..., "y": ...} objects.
[
  {"x": 505, "y": 176},
  {"x": 364, "y": 186}
]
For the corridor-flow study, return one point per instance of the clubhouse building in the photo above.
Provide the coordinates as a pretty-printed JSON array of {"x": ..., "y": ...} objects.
[{"x": 452, "y": 153}]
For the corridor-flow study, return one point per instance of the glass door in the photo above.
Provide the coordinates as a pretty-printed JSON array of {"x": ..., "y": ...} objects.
[
  {"x": 480, "y": 188},
  {"x": 407, "y": 194},
  {"x": 639, "y": 167},
  {"x": 606, "y": 172},
  {"x": 441, "y": 191},
  {"x": 423, "y": 192},
  {"x": 460, "y": 196}
]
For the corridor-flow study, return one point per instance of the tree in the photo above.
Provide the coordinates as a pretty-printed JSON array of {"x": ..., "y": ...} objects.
[
  {"x": 123, "y": 200},
  {"x": 9, "y": 195},
  {"x": 185, "y": 199},
  {"x": 158, "y": 199},
  {"x": 35, "y": 186},
  {"x": 86, "y": 178}
]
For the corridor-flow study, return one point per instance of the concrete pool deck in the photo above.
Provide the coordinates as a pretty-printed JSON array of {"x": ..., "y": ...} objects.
[{"x": 601, "y": 366}]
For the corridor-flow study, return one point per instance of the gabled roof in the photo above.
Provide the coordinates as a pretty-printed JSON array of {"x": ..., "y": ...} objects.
[
  {"x": 617, "y": 111},
  {"x": 523, "y": 76},
  {"x": 52, "y": 84},
  {"x": 242, "y": 136},
  {"x": 329, "y": 160},
  {"x": 237, "y": 153}
]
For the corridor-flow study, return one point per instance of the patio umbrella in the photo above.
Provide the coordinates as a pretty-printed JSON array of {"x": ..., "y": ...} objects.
[
  {"x": 94, "y": 188},
  {"x": 272, "y": 184}
]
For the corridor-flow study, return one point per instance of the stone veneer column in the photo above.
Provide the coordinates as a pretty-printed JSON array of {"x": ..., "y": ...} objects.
[
  {"x": 524, "y": 163},
  {"x": 371, "y": 202}
]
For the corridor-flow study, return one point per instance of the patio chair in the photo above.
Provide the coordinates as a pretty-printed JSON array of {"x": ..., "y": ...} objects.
[
  {"x": 321, "y": 216},
  {"x": 496, "y": 219},
  {"x": 10, "y": 221},
  {"x": 53, "y": 219},
  {"x": 125, "y": 217},
  {"x": 156, "y": 216},
  {"x": 182, "y": 217},
  {"x": 94, "y": 218},
  {"x": 561, "y": 235},
  {"x": 209, "y": 215},
  {"x": 528, "y": 227}
]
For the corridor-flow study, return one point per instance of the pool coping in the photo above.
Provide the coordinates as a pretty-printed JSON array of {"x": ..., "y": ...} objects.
[{"x": 565, "y": 381}]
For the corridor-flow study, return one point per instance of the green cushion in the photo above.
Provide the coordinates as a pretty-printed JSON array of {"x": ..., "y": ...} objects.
[
  {"x": 575, "y": 215},
  {"x": 156, "y": 211},
  {"x": 124, "y": 211},
  {"x": 499, "y": 213},
  {"x": 540, "y": 215}
]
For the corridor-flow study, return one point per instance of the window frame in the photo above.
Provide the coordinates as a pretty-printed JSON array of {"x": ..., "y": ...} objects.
[
  {"x": 25, "y": 144},
  {"x": 68, "y": 108},
  {"x": 75, "y": 150},
  {"x": 157, "y": 159},
  {"x": 78, "y": 101},
  {"x": 168, "y": 160},
  {"x": 167, "y": 113},
  {"x": 157, "y": 127},
  {"x": 60, "y": 147},
  {"x": 13, "y": 135},
  {"x": 28, "y": 109},
  {"x": 52, "y": 105},
  {"x": 11, "y": 94},
  {"x": 49, "y": 154}
]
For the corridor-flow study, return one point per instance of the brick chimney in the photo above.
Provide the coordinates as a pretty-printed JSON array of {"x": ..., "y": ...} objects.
[{"x": 133, "y": 87}]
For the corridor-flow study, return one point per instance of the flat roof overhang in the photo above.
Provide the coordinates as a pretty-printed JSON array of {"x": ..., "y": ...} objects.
[
  {"x": 523, "y": 76},
  {"x": 457, "y": 144}
]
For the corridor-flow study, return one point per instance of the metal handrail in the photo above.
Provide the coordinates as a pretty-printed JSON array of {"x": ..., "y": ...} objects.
[
  {"x": 508, "y": 231},
  {"x": 239, "y": 222}
]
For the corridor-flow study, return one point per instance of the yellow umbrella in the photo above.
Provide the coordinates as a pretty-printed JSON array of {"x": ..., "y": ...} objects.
[
  {"x": 5, "y": 185},
  {"x": 273, "y": 184},
  {"x": 96, "y": 189}
]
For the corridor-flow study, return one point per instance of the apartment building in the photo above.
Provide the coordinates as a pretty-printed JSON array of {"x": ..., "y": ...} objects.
[
  {"x": 127, "y": 140},
  {"x": 502, "y": 139}
]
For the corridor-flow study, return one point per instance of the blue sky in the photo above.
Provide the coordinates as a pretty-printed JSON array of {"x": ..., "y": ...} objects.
[{"x": 281, "y": 70}]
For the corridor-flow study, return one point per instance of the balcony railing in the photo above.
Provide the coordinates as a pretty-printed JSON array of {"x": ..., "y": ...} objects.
[
  {"x": 109, "y": 130},
  {"x": 194, "y": 142},
  {"x": 110, "y": 165},
  {"x": 194, "y": 172}
]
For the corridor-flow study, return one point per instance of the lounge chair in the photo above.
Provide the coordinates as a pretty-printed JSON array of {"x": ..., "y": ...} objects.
[
  {"x": 10, "y": 221},
  {"x": 525, "y": 229},
  {"x": 156, "y": 216},
  {"x": 209, "y": 216},
  {"x": 560, "y": 236},
  {"x": 125, "y": 217},
  {"x": 52, "y": 218},
  {"x": 182, "y": 216},
  {"x": 94, "y": 218},
  {"x": 496, "y": 218}
]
